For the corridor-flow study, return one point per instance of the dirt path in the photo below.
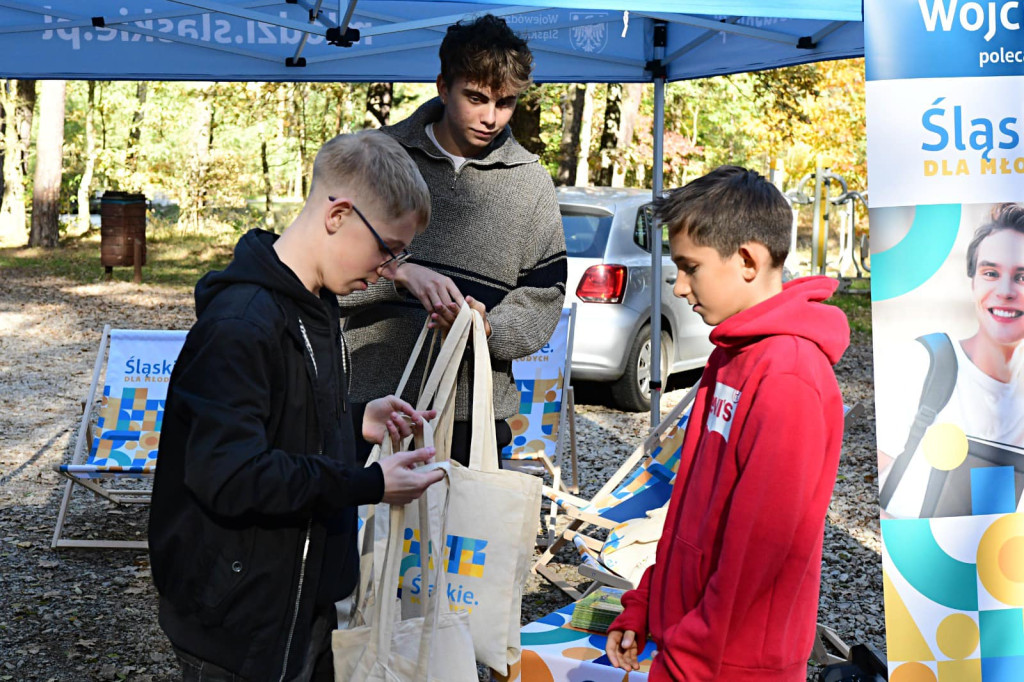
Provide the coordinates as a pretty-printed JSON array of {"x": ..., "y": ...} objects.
[{"x": 91, "y": 615}]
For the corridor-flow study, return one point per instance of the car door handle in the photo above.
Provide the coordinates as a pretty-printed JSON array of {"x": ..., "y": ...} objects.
[{"x": 670, "y": 280}]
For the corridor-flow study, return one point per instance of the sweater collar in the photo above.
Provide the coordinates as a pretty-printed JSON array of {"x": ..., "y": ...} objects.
[{"x": 411, "y": 133}]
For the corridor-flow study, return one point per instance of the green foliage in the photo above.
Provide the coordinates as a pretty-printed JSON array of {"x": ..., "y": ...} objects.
[
  {"x": 173, "y": 258},
  {"x": 221, "y": 152},
  {"x": 857, "y": 306}
]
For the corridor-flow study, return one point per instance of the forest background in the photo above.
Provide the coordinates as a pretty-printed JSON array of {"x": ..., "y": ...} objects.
[{"x": 217, "y": 156}]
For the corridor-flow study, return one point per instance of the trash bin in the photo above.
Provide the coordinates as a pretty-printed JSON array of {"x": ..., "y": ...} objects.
[{"x": 122, "y": 225}]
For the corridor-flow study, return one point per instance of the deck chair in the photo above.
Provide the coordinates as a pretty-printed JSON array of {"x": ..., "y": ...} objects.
[
  {"x": 630, "y": 493},
  {"x": 122, "y": 444},
  {"x": 546, "y": 402}
]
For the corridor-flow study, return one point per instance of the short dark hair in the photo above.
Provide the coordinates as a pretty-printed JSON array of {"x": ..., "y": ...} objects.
[
  {"x": 486, "y": 51},
  {"x": 1003, "y": 217},
  {"x": 727, "y": 208}
]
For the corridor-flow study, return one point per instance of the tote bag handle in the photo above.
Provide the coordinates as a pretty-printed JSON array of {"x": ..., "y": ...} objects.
[{"x": 483, "y": 455}]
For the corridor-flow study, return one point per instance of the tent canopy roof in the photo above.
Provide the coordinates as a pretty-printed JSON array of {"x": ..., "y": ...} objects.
[{"x": 273, "y": 40}]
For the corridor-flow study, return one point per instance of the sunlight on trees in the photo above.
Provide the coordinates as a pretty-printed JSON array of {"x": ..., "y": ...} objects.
[{"x": 240, "y": 154}]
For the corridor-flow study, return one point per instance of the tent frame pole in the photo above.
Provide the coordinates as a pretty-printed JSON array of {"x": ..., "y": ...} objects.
[{"x": 658, "y": 71}]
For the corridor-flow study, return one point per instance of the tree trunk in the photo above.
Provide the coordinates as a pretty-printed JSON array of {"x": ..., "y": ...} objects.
[
  {"x": 4, "y": 85},
  {"x": 343, "y": 107},
  {"x": 49, "y": 163},
  {"x": 18, "y": 99},
  {"x": 586, "y": 135},
  {"x": 197, "y": 167},
  {"x": 131, "y": 158},
  {"x": 629, "y": 110},
  {"x": 26, "y": 106},
  {"x": 379, "y": 97},
  {"x": 302, "y": 179},
  {"x": 268, "y": 188},
  {"x": 525, "y": 122},
  {"x": 572, "y": 121},
  {"x": 610, "y": 135},
  {"x": 85, "y": 186}
]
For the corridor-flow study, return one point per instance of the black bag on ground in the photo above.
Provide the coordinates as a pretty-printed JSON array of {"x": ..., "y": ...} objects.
[{"x": 865, "y": 665}]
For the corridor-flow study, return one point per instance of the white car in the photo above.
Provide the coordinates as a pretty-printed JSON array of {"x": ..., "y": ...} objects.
[{"x": 609, "y": 278}]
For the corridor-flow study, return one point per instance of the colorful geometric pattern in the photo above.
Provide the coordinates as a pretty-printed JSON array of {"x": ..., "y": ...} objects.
[
  {"x": 126, "y": 436},
  {"x": 127, "y": 432},
  {"x": 554, "y": 650},
  {"x": 954, "y": 597},
  {"x": 539, "y": 379},
  {"x": 907, "y": 265},
  {"x": 411, "y": 549},
  {"x": 466, "y": 556}
]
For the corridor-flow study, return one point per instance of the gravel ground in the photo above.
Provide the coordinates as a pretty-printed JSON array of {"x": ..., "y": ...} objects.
[{"x": 74, "y": 615}]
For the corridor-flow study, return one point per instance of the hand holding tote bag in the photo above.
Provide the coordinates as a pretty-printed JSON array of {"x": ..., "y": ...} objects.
[
  {"x": 435, "y": 646},
  {"x": 492, "y": 516}
]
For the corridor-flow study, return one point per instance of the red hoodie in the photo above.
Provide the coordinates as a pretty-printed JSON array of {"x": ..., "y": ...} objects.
[{"x": 734, "y": 592}]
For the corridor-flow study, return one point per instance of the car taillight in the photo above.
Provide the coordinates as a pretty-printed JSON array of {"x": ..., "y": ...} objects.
[{"x": 602, "y": 284}]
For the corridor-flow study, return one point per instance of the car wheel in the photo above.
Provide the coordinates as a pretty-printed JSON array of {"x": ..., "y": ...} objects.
[{"x": 632, "y": 392}]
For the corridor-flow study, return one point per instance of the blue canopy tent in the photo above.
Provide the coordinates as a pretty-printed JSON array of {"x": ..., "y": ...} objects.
[{"x": 653, "y": 41}]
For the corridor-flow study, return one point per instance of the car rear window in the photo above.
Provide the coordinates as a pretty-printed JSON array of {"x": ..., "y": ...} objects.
[{"x": 586, "y": 234}]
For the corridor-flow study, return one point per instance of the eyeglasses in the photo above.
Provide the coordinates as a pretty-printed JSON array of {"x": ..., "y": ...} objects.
[{"x": 395, "y": 259}]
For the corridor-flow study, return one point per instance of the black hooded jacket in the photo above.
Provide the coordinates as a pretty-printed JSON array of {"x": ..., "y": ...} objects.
[{"x": 253, "y": 522}]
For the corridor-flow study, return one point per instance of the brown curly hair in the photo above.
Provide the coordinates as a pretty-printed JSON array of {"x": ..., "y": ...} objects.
[
  {"x": 487, "y": 52},
  {"x": 1009, "y": 216}
]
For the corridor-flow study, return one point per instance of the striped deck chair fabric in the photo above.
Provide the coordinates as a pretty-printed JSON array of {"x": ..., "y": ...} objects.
[
  {"x": 123, "y": 442},
  {"x": 646, "y": 488},
  {"x": 643, "y": 483}
]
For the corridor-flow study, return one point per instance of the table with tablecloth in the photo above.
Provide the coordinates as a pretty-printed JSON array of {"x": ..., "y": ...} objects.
[{"x": 554, "y": 651}]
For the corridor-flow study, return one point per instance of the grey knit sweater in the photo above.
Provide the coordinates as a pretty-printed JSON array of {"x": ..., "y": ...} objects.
[{"x": 495, "y": 230}]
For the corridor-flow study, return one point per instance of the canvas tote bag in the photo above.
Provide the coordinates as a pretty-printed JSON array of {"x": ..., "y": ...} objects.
[
  {"x": 435, "y": 646},
  {"x": 438, "y": 391},
  {"x": 492, "y": 516}
]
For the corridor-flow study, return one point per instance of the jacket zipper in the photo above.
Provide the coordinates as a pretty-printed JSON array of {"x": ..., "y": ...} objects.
[
  {"x": 298, "y": 601},
  {"x": 305, "y": 545}
]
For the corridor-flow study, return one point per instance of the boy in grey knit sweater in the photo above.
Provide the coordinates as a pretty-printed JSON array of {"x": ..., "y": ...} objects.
[{"x": 495, "y": 236}]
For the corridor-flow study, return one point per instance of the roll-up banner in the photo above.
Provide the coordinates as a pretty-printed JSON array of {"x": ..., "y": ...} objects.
[{"x": 945, "y": 124}]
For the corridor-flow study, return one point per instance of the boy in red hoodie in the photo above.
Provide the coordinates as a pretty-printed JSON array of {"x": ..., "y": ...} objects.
[{"x": 733, "y": 595}]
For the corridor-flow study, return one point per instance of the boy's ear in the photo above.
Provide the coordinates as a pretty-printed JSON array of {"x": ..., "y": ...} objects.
[
  {"x": 336, "y": 215},
  {"x": 442, "y": 89},
  {"x": 754, "y": 259}
]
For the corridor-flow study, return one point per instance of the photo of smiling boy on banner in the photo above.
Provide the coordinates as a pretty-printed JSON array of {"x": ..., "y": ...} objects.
[{"x": 950, "y": 398}]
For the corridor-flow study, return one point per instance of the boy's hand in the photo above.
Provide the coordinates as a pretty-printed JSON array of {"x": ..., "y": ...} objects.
[
  {"x": 622, "y": 650},
  {"x": 436, "y": 293},
  {"x": 402, "y": 483},
  {"x": 479, "y": 307},
  {"x": 391, "y": 416}
]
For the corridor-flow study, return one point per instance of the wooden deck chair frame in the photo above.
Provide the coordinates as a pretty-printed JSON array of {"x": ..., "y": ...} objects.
[
  {"x": 109, "y": 488},
  {"x": 567, "y": 415},
  {"x": 578, "y": 519}
]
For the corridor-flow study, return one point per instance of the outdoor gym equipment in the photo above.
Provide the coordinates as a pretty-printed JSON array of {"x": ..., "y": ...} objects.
[{"x": 832, "y": 202}]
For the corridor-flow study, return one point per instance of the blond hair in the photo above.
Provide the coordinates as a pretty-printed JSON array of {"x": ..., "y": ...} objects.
[{"x": 377, "y": 167}]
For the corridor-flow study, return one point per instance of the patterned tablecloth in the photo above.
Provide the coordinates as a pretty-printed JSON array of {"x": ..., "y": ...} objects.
[{"x": 554, "y": 651}]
